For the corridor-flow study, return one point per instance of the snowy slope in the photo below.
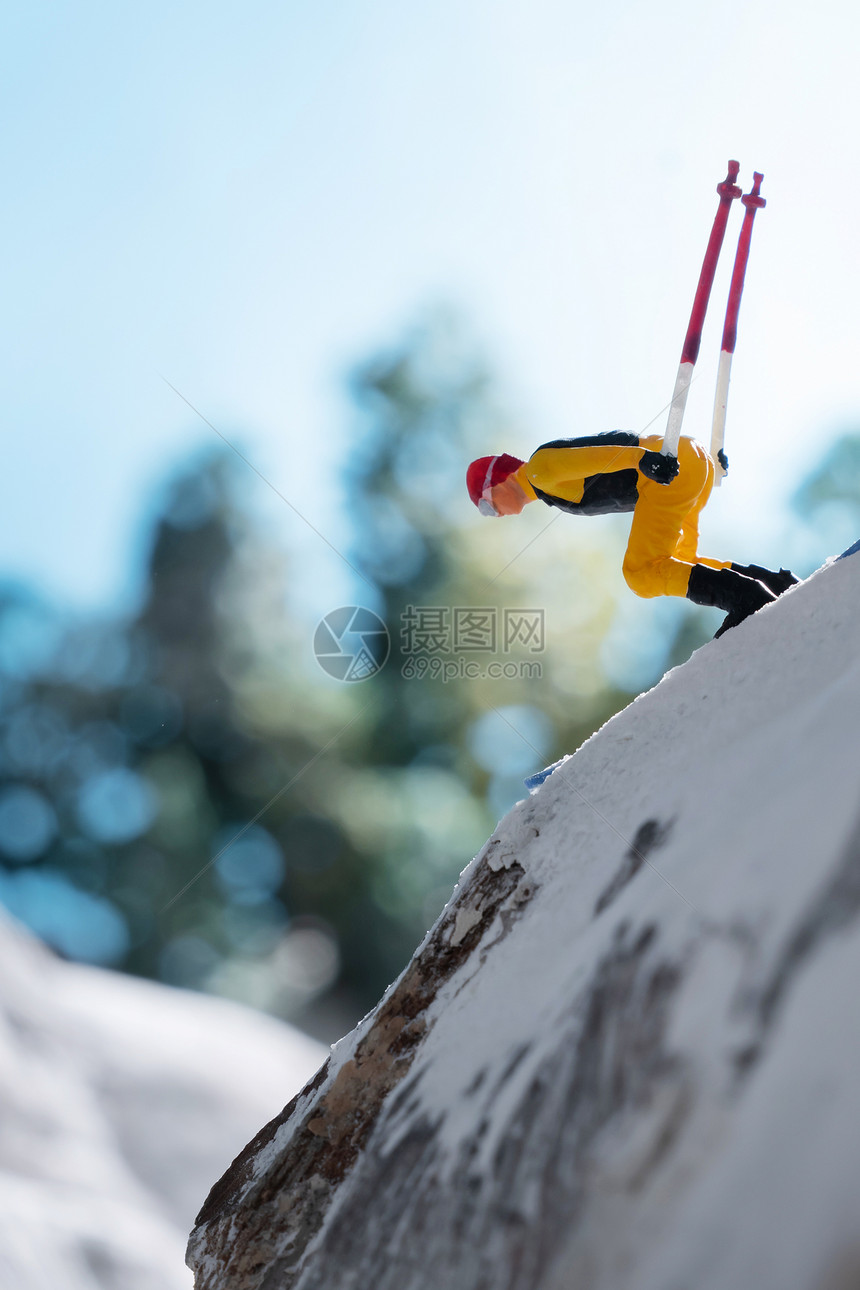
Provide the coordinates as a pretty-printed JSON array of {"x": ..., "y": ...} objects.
[
  {"x": 627, "y": 1057},
  {"x": 120, "y": 1101}
]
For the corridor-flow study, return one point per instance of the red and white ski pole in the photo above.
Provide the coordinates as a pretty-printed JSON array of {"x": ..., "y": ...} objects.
[
  {"x": 753, "y": 201},
  {"x": 728, "y": 191}
]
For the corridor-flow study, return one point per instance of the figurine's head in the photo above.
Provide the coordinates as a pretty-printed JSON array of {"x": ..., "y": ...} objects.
[{"x": 494, "y": 487}]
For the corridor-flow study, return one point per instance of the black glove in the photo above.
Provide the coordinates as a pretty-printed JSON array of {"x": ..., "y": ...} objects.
[
  {"x": 654, "y": 465},
  {"x": 724, "y": 461}
]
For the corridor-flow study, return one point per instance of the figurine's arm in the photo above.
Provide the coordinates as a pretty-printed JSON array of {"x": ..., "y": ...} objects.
[{"x": 550, "y": 468}]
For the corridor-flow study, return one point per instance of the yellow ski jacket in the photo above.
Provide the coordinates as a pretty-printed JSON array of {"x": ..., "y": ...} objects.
[
  {"x": 593, "y": 475},
  {"x": 599, "y": 475}
]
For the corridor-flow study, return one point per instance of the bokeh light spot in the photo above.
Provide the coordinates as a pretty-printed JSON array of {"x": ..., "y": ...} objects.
[
  {"x": 35, "y": 738},
  {"x": 117, "y": 805},
  {"x": 79, "y": 925},
  {"x": 252, "y": 866},
  {"x": 29, "y": 636},
  {"x": 512, "y": 740},
  {"x": 27, "y": 823}
]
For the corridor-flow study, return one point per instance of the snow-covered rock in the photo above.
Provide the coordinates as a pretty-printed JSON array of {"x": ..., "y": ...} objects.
[
  {"x": 627, "y": 1056},
  {"x": 121, "y": 1100}
]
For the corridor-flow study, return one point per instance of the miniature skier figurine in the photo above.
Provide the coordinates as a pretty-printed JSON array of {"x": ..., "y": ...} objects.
[
  {"x": 605, "y": 473},
  {"x": 664, "y": 480}
]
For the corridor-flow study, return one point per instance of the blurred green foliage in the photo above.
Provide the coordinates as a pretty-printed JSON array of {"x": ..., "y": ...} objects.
[
  {"x": 186, "y": 795},
  {"x": 828, "y": 500}
]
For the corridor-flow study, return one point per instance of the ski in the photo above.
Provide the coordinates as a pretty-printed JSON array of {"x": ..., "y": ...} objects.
[
  {"x": 533, "y": 782},
  {"x": 752, "y": 201},
  {"x": 728, "y": 191}
]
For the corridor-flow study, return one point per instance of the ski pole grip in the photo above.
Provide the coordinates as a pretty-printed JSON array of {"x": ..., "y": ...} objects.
[
  {"x": 753, "y": 200},
  {"x": 728, "y": 189}
]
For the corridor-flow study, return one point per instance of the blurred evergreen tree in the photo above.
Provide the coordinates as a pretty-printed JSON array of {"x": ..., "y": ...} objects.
[
  {"x": 187, "y": 796},
  {"x": 829, "y": 498},
  {"x": 134, "y": 785},
  {"x": 445, "y": 744}
]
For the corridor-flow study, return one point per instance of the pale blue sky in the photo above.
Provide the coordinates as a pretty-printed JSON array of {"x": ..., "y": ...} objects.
[{"x": 245, "y": 198}]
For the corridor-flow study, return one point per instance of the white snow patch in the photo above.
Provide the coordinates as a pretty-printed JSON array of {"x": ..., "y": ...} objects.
[
  {"x": 746, "y": 759},
  {"x": 464, "y": 921},
  {"x": 124, "y": 1101}
]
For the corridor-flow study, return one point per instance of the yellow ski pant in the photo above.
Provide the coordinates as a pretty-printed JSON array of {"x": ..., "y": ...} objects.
[{"x": 664, "y": 535}]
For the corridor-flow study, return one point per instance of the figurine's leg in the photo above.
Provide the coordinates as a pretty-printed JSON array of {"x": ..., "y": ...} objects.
[
  {"x": 664, "y": 533},
  {"x": 688, "y": 543}
]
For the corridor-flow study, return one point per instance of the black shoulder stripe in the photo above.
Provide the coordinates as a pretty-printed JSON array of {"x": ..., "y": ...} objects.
[{"x": 609, "y": 439}]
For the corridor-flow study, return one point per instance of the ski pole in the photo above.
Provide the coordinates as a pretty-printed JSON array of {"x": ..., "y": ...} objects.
[
  {"x": 753, "y": 201},
  {"x": 728, "y": 191}
]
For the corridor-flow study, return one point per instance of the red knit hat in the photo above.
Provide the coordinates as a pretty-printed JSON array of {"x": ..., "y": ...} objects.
[{"x": 487, "y": 471}]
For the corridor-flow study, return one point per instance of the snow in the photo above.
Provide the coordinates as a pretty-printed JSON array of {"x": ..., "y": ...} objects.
[
  {"x": 123, "y": 1101},
  {"x": 750, "y": 729},
  {"x": 703, "y": 847}
]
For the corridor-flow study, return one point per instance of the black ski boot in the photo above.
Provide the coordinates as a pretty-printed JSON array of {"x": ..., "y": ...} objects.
[
  {"x": 727, "y": 589},
  {"x": 776, "y": 581}
]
